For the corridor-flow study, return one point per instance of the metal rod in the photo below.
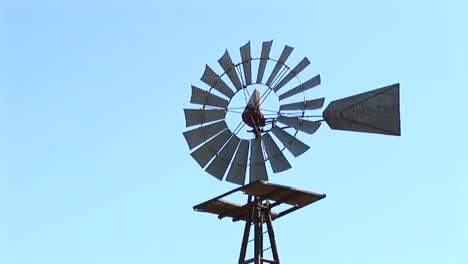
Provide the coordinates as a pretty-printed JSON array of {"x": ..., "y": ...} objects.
[
  {"x": 258, "y": 247},
  {"x": 279, "y": 202},
  {"x": 249, "y": 261},
  {"x": 290, "y": 210},
  {"x": 217, "y": 197},
  {"x": 256, "y": 202},
  {"x": 269, "y": 261},
  {"x": 261, "y": 231},
  {"x": 271, "y": 235},
  {"x": 245, "y": 238}
]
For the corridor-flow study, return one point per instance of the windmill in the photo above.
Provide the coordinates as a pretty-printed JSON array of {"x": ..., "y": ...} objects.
[{"x": 250, "y": 114}]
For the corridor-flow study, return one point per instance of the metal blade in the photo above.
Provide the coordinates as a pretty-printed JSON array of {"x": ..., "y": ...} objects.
[
  {"x": 294, "y": 145},
  {"x": 237, "y": 170},
  {"x": 246, "y": 63},
  {"x": 304, "y": 105},
  {"x": 213, "y": 80},
  {"x": 199, "y": 135},
  {"x": 207, "y": 151},
  {"x": 278, "y": 161},
  {"x": 293, "y": 73},
  {"x": 306, "y": 126},
  {"x": 266, "y": 47},
  {"x": 200, "y": 116},
  {"x": 220, "y": 163},
  {"x": 301, "y": 88},
  {"x": 376, "y": 111},
  {"x": 283, "y": 57},
  {"x": 257, "y": 161},
  {"x": 255, "y": 98},
  {"x": 228, "y": 66},
  {"x": 202, "y": 97}
]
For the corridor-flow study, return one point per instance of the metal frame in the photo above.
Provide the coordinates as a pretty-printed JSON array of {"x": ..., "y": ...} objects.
[
  {"x": 262, "y": 198},
  {"x": 261, "y": 214}
]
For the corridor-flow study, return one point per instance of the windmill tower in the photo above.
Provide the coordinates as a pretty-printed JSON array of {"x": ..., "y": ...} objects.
[{"x": 241, "y": 126}]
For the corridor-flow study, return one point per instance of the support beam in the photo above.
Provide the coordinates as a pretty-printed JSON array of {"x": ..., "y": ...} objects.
[
  {"x": 262, "y": 198},
  {"x": 245, "y": 238},
  {"x": 256, "y": 202},
  {"x": 271, "y": 235},
  {"x": 261, "y": 214},
  {"x": 258, "y": 243}
]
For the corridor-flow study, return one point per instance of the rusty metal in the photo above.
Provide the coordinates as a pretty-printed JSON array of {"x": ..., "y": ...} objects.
[
  {"x": 258, "y": 230},
  {"x": 376, "y": 111},
  {"x": 256, "y": 202},
  {"x": 276, "y": 194},
  {"x": 262, "y": 198},
  {"x": 245, "y": 237},
  {"x": 253, "y": 115},
  {"x": 271, "y": 235},
  {"x": 254, "y": 118}
]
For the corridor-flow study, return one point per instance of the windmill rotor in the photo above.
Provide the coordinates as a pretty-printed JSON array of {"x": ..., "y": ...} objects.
[
  {"x": 252, "y": 114},
  {"x": 220, "y": 149},
  {"x": 267, "y": 100}
]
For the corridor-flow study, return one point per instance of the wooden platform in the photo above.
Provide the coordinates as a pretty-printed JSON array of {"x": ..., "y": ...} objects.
[{"x": 263, "y": 193}]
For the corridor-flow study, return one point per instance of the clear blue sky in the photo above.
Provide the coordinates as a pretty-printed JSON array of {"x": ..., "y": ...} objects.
[{"x": 94, "y": 167}]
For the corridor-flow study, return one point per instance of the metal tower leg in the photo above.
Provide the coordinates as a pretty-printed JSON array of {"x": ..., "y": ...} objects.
[
  {"x": 271, "y": 235},
  {"x": 245, "y": 238},
  {"x": 258, "y": 243},
  {"x": 260, "y": 214},
  {"x": 262, "y": 198}
]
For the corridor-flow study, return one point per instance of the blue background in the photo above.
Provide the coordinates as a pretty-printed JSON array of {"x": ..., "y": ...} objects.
[{"x": 94, "y": 167}]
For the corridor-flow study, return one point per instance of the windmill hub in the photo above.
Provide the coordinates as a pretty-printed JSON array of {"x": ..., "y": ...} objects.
[
  {"x": 253, "y": 117},
  {"x": 252, "y": 110}
]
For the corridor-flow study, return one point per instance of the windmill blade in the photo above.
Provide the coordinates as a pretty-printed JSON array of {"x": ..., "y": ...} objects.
[
  {"x": 255, "y": 99},
  {"x": 301, "y": 88},
  {"x": 200, "y": 116},
  {"x": 246, "y": 63},
  {"x": 283, "y": 57},
  {"x": 202, "y": 97},
  {"x": 199, "y": 135},
  {"x": 220, "y": 163},
  {"x": 278, "y": 161},
  {"x": 293, "y": 73},
  {"x": 257, "y": 161},
  {"x": 306, "y": 126},
  {"x": 376, "y": 111},
  {"x": 238, "y": 168},
  {"x": 228, "y": 66},
  {"x": 213, "y": 80},
  {"x": 266, "y": 47},
  {"x": 304, "y": 105},
  {"x": 208, "y": 150},
  {"x": 294, "y": 145}
]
